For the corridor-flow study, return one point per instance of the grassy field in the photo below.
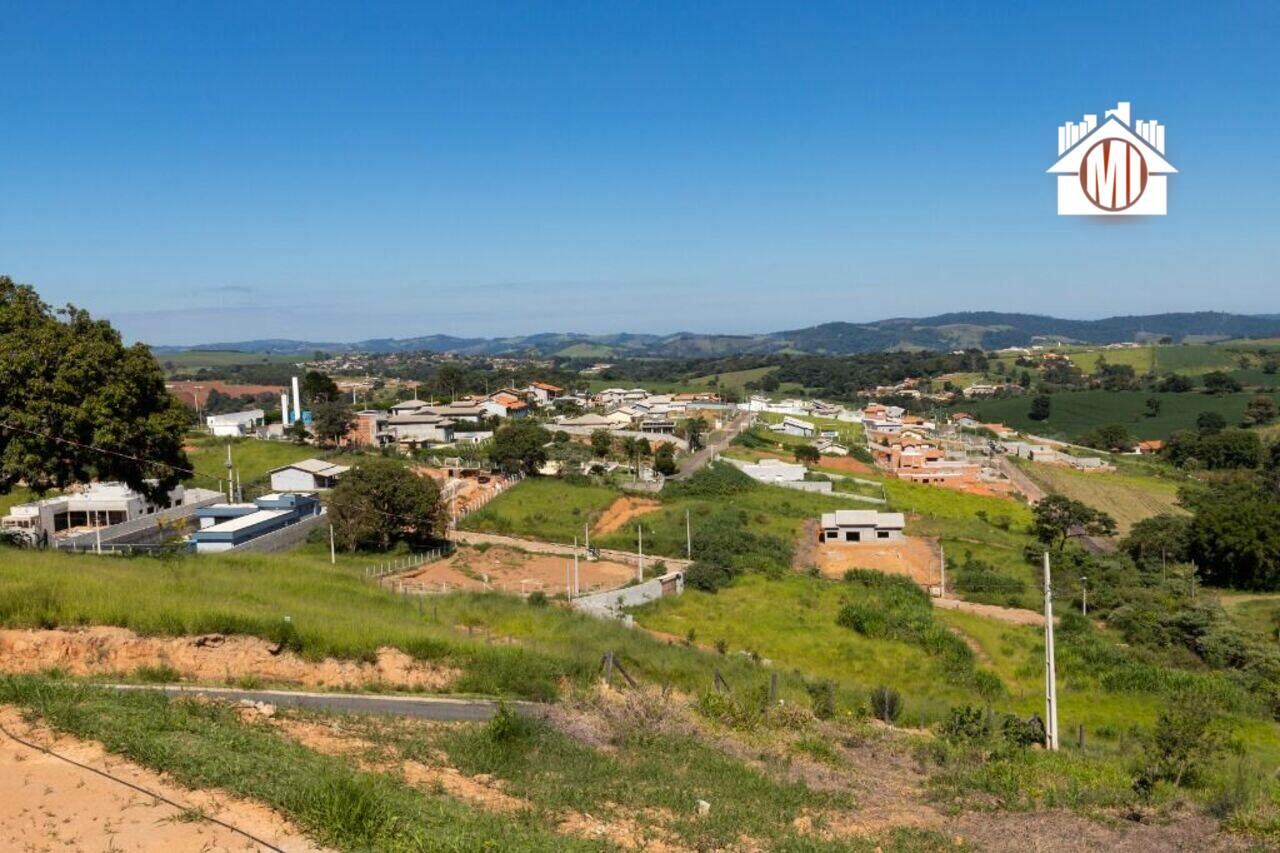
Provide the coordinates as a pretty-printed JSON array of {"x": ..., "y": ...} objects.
[
  {"x": 1141, "y": 359},
  {"x": 1074, "y": 413},
  {"x": 1194, "y": 359},
  {"x": 335, "y": 613},
  {"x": 732, "y": 379},
  {"x": 253, "y": 458},
  {"x": 1127, "y": 497},
  {"x": 204, "y": 745},
  {"x": 192, "y": 360},
  {"x": 543, "y": 508}
]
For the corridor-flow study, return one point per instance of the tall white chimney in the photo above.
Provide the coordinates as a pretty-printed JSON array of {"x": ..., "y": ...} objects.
[
  {"x": 284, "y": 408},
  {"x": 297, "y": 401}
]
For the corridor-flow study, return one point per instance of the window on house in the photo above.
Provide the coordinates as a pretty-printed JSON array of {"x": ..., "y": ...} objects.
[
  {"x": 882, "y": 534},
  {"x": 852, "y": 536}
]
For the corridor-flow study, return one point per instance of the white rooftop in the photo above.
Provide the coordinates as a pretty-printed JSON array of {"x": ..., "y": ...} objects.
[{"x": 864, "y": 518}]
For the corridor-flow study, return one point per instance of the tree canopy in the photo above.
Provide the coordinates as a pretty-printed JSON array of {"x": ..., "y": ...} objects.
[
  {"x": 520, "y": 446},
  {"x": 1057, "y": 518},
  {"x": 77, "y": 405},
  {"x": 381, "y": 502}
]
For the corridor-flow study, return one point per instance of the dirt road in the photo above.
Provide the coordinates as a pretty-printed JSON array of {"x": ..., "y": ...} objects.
[
  {"x": 716, "y": 443},
  {"x": 1012, "y": 615}
]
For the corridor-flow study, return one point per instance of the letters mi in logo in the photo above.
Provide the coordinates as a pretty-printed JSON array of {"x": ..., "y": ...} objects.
[{"x": 1116, "y": 168}]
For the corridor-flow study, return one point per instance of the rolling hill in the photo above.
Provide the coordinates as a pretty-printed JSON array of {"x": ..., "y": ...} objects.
[{"x": 983, "y": 329}]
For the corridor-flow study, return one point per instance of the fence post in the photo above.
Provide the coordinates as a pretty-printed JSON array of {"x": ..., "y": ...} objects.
[{"x": 773, "y": 688}]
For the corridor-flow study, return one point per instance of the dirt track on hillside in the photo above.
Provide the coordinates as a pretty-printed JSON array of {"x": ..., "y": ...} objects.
[
  {"x": 49, "y": 804},
  {"x": 211, "y": 659},
  {"x": 623, "y": 510}
]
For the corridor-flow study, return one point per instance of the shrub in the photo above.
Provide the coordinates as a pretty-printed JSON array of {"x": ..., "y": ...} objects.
[
  {"x": 822, "y": 696},
  {"x": 508, "y": 725},
  {"x": 886, "y": 704},
  {"x": 1187, "y": 738},
  {"x": 537, "y": 598},
  {"x": 965, "y": 724}
]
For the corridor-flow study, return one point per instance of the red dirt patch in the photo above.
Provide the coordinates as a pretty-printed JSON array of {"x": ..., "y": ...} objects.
[
  {"x": 48, "y": 804},
  {"x": 510, "y": 570},
  {"x": 623, "y": 510},
  {"x": 213, "y": 658},
  {"x": 911, "y": 556},
  {"x": 196, "y": 394}
]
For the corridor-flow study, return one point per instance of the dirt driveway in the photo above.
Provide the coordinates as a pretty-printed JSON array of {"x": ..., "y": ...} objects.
[{"x": 623, "y": 510}]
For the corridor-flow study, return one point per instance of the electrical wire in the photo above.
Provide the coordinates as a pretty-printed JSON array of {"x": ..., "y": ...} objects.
[{"x": 30, "y": 745}]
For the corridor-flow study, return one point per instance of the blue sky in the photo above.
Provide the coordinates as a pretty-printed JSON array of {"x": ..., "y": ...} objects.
[{"x": 225, "y": 171}]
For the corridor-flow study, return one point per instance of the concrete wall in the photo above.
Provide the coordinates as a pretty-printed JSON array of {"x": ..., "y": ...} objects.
[
  {"x": 284, "y": 538},
  {"x": 613, "y": 602}
]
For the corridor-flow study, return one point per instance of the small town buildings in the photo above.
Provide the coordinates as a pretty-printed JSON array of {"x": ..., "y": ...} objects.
[
  {"x": 227, "y": 526},
  {"x": 369, "y": 429},
  {"x": 861, "y": 525},
  {"x": 98, "y": 505},
  {"x": 505, "y": 404},
  {"x": 831, "y": 447},
  {"x": 419, "y": 429},
  {"x": 964, "y": 419},
  {"x": 1150, "y": 447},
  {"x": 235, "y": 424},
  {"x": 308, "y": 475}
]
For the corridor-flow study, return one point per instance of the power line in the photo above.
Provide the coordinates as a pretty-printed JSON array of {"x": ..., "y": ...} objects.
[{"x": 255, "y": 839}]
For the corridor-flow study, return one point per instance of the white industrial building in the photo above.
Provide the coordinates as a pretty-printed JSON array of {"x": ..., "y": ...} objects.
[
  {"x": 308, "y": 475},
  {"x": 235, "y": 424},
  {"x": 97, "y": 505},
  {"x": 861, "y": 525},
  {"x": 795, "y": 426}
]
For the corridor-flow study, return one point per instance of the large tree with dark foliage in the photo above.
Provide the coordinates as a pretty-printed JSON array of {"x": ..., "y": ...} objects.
[
  {"x": 381, "y": 502},
  {"x": 520, "y": 446},
  {"x": 1057, "y": 518},
  {"x": 77, "y": 405}
]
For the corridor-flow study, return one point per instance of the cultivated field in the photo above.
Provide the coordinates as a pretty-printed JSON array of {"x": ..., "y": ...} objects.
[{"x": 1128, "y": 498}]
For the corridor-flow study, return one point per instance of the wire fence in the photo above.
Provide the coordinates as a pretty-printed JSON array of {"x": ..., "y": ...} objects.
[{"x": 403, "y": 564}]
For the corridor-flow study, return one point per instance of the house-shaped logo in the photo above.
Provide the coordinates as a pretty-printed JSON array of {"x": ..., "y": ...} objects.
[{"x": 1116, "y": 168}]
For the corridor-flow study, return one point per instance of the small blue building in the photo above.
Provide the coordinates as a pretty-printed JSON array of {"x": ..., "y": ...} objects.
[{"x": 225, "y": 526}]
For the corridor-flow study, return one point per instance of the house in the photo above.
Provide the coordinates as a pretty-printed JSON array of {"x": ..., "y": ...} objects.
[
  {"x": 420, "y": 428},
  {"x": 795, "y": 426},
  {"x": 369, "y": 429},
  {"x": 966, "y": 420},
  {"x": 226, "y": 526},
  {"x": 614, "y": 420},
  {"x": 775, "y": 471},
  {"x": 98, "y": 505},
  {"x": 861, "y": 525},
  {"x": 235, "y": 424},
  {"x": 505, "y": 404},
  {"x": 831, "y": 447},
  {"x": 308, "y": 475},
  {"x": 1148, "y": 448},
  {"x": 543, "y": 393},
  {"x": 658, "y": 426},
  {"x": 408, "y": 406}
]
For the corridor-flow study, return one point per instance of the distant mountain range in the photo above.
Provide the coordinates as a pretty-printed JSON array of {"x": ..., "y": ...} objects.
[{"x": 984, "y": 329}]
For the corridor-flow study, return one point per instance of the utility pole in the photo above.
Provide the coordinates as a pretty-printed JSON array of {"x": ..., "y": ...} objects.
[
  {"x": 1050, "y": 672},
  {"x": 640, "y": 565},
  {"x": 577, "y": 589},
  {"x": 333, "y": 552},
  {"x": 231, "y": 492},
  {"x": 688, "y": 537},
  {"x": 943, "y": 568},
  {"x": 586, "y": 531},
  {"x": 1084, "y": 596}
]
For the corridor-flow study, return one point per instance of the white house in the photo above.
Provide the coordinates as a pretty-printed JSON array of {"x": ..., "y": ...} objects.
[
  {"x": 309, "y": 475},
  {"x": 543, "y": 393},
  {"x": 96, "y": 505},
  {"x": 795, "y": 426},
  {"x": 235, "y": 424},
  {"x": 861, "y": 525},
  {"x": 831, "y": 447}
]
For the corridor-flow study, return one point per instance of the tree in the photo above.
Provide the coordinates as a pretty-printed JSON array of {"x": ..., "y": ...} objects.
[
  {"x": 316, "y": 386},
  {"x": 1154, "y": 405},
  {"x": 1218, "y": 382},
  {"x": 1187, "y": 738},
  {"x": 1057, "y": 518},
  {"x": 382, "y": 502},
  {"x": 664, "y": 460},
  {"x": 331, "y": 420},
  {"x": 1175, "y": 384},
  {"x": 601, "y": 442},
  {"x": 1235, "y": 536},
  {"x": 769, "y": 383},
  {"x": 695, "y": 429},
  {"x": 80, "y": 406},
  {"x": 297, "y": 431},
  {"x": 807, "y": 453},
  {"x": 1111, "y": 437},
  {"x": 1040, "y": 406},
  {"x": 1210, "y": 422},
  {"x": 520, "y": 446},
  {"x": 1260, "y": 410}
]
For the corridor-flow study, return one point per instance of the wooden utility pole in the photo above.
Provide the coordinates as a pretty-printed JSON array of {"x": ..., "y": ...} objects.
[{"x": 1050, "y": 673}]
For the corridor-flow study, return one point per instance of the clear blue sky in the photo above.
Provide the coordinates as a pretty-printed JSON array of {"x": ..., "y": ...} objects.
[{"x": 222, "y": 171}]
